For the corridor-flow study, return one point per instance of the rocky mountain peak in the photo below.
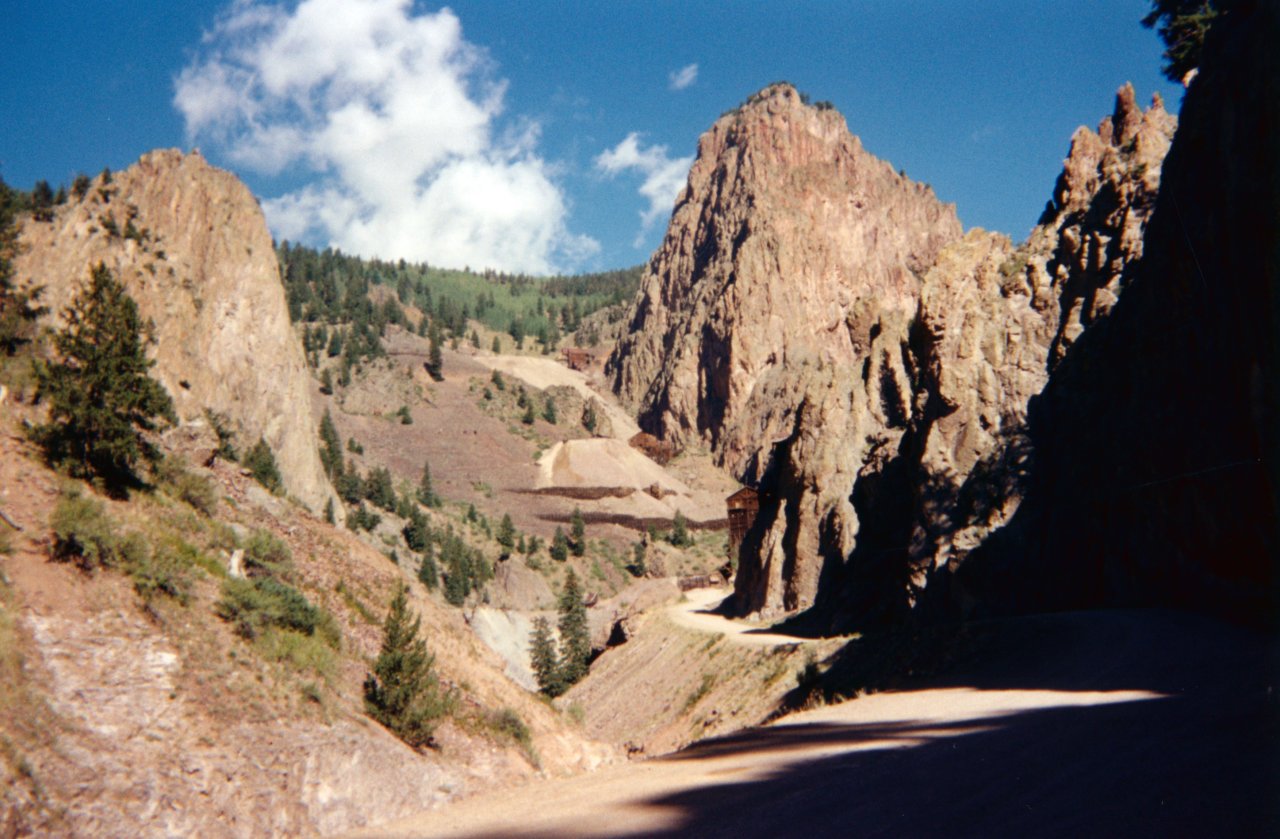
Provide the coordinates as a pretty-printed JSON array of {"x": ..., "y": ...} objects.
[
  {"x": 770, "y": 322},
  {"x": 191, "y": 246}
]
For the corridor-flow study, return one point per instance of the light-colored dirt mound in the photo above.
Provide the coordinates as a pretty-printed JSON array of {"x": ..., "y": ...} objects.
[
  {"x": 543, "y": 373},
  {"x": 620, "y": 481},
  {"x": 589, "y": 464}
]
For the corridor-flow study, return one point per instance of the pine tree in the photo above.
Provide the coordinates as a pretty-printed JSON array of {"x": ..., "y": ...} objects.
[
  {"x": 379, "y": 489},
  {"x": 261, "y": 463},
  {"x": 402, "y": 693},
  {"x": 101, "y": 399},
  {"x": 578, "y": 533},
  {"x": 1183, "y": 25},
  {"x": 506, "y": 532},
  {"x": 528, "y": 416},
  {"x": 330, "y": 446},
  {"x": 545, "y": 659},
  {"x": 18, "y": 311},
  {"x": 638, "y": 565},
  {"x": 457, "y": 581},
  {"x": 42, "y": 201},
  {"x": 417, "y": 532},
  {"x": 575, "y": 638},
  {"x": 426, "y": 492},
  {"x": 428, "y": 571},
  {"x": 80, "y": 186},
  {"x": 589, "y": 417},
  {"x": 549, "y": 412},
  {"x": 680, "y": 531},
  {"x": 497, "y": 345},
  {"x": 435, "y": 360},
  {"x": 559, "y": 546}
]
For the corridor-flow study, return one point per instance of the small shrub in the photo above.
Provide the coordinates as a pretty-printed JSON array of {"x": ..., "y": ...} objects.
[
  {"x": 256, "y": 606},
  {"x": 221, "y": 426},
  {"x": 354, "y": 603},
  {"x": 302, "y": 652},
  {"x": 267, "y": 554},
  {"x": 83, "y": 534},
  {"x": 507, "y": 725},
  {"x": 708, "y": 682},
  {"x": 159, "y": 572},
  {"x": 194, "y": 490}
]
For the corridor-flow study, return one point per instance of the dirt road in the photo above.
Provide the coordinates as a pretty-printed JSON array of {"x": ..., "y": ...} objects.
[
  {"x": 1126, "y": 723},
  {"x": 696, "y": 611}
]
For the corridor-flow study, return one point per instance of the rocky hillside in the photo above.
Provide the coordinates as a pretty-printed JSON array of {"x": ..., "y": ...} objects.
[
  {"x": 770, "y": 323},
  {"x": 191, "y": 246}
]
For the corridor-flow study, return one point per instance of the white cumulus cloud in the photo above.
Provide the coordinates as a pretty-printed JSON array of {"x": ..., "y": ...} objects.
[
  {"x": 682, "y": 78},
  {"x": 390, "y": 116},
  {"x": 664, "y": 176}
]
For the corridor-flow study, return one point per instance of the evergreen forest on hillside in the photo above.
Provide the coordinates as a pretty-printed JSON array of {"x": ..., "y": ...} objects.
[{"x": 329, "y": 289}]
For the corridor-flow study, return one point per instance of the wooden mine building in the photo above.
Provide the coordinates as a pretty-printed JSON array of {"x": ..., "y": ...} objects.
[
  {"x": 743, "y": 506},
  {"x": 659, "y": 451},
  {"x": 576, "y": 358}
]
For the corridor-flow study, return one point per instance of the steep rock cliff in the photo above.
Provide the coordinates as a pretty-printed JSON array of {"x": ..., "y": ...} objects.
[
  {"x": 771, "y": 323},
  {"x": 191, "y": 245},
  {"x": 1154, "y": 469},
  {"x": 998, "y": 320}
]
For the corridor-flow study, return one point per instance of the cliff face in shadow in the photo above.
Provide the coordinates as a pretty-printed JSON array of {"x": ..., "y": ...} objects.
[
  {"x": 1154, "y": 445},
  {"x": 993, "y": 324}
]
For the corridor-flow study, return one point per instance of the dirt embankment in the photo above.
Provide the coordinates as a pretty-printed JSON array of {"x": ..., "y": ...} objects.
[{"x": 120, "y": 717}]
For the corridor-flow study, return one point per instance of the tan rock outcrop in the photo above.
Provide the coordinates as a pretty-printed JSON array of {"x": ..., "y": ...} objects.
[
  {"x": 191, "y": 245},
  {"x": 770, "y": 324}
]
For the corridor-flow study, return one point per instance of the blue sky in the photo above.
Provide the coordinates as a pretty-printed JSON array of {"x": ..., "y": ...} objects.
[{"x": 550, "y": 136}]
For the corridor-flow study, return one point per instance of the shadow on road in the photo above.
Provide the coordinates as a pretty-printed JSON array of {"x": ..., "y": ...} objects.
[{"x": 1200, "y": 759}]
